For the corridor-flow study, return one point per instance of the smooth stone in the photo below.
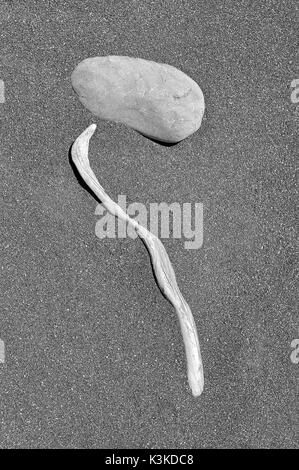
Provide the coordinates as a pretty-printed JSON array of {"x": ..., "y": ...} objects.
[{"x": 157, "y": 100}]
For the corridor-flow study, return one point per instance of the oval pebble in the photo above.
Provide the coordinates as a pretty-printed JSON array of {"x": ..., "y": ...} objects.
[{"x": 158, "y": 100}]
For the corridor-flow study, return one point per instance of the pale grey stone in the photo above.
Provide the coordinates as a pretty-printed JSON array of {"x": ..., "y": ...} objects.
[{"x": 157, "y": 100}]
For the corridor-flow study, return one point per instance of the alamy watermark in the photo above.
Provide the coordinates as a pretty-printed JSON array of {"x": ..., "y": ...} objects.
[
  {"x": 162, "y": 220},
  {"x": 295, "y": 92},
  {"x": 2, "y": 351},
  {"x": 2, "y": 95},
  {"x": 295, "y": 353}
]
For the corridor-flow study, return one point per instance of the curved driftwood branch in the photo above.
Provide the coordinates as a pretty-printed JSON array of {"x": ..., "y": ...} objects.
[{"x": 162, "y": 266}]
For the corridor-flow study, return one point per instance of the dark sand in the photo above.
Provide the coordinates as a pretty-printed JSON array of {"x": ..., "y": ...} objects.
[{"x": 94, "y": 354}]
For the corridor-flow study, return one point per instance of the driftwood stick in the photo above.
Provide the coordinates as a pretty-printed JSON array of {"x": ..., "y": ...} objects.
[{"x": 162, "y": 266}]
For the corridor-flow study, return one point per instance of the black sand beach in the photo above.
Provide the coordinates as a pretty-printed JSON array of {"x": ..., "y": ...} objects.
[{"x": 93, "y": 352}]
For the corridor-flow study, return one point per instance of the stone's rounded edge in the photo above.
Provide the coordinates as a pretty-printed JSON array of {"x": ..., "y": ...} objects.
[
  {"x": 188, "y": 113},
  {"x": 80, "y": 84}
]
